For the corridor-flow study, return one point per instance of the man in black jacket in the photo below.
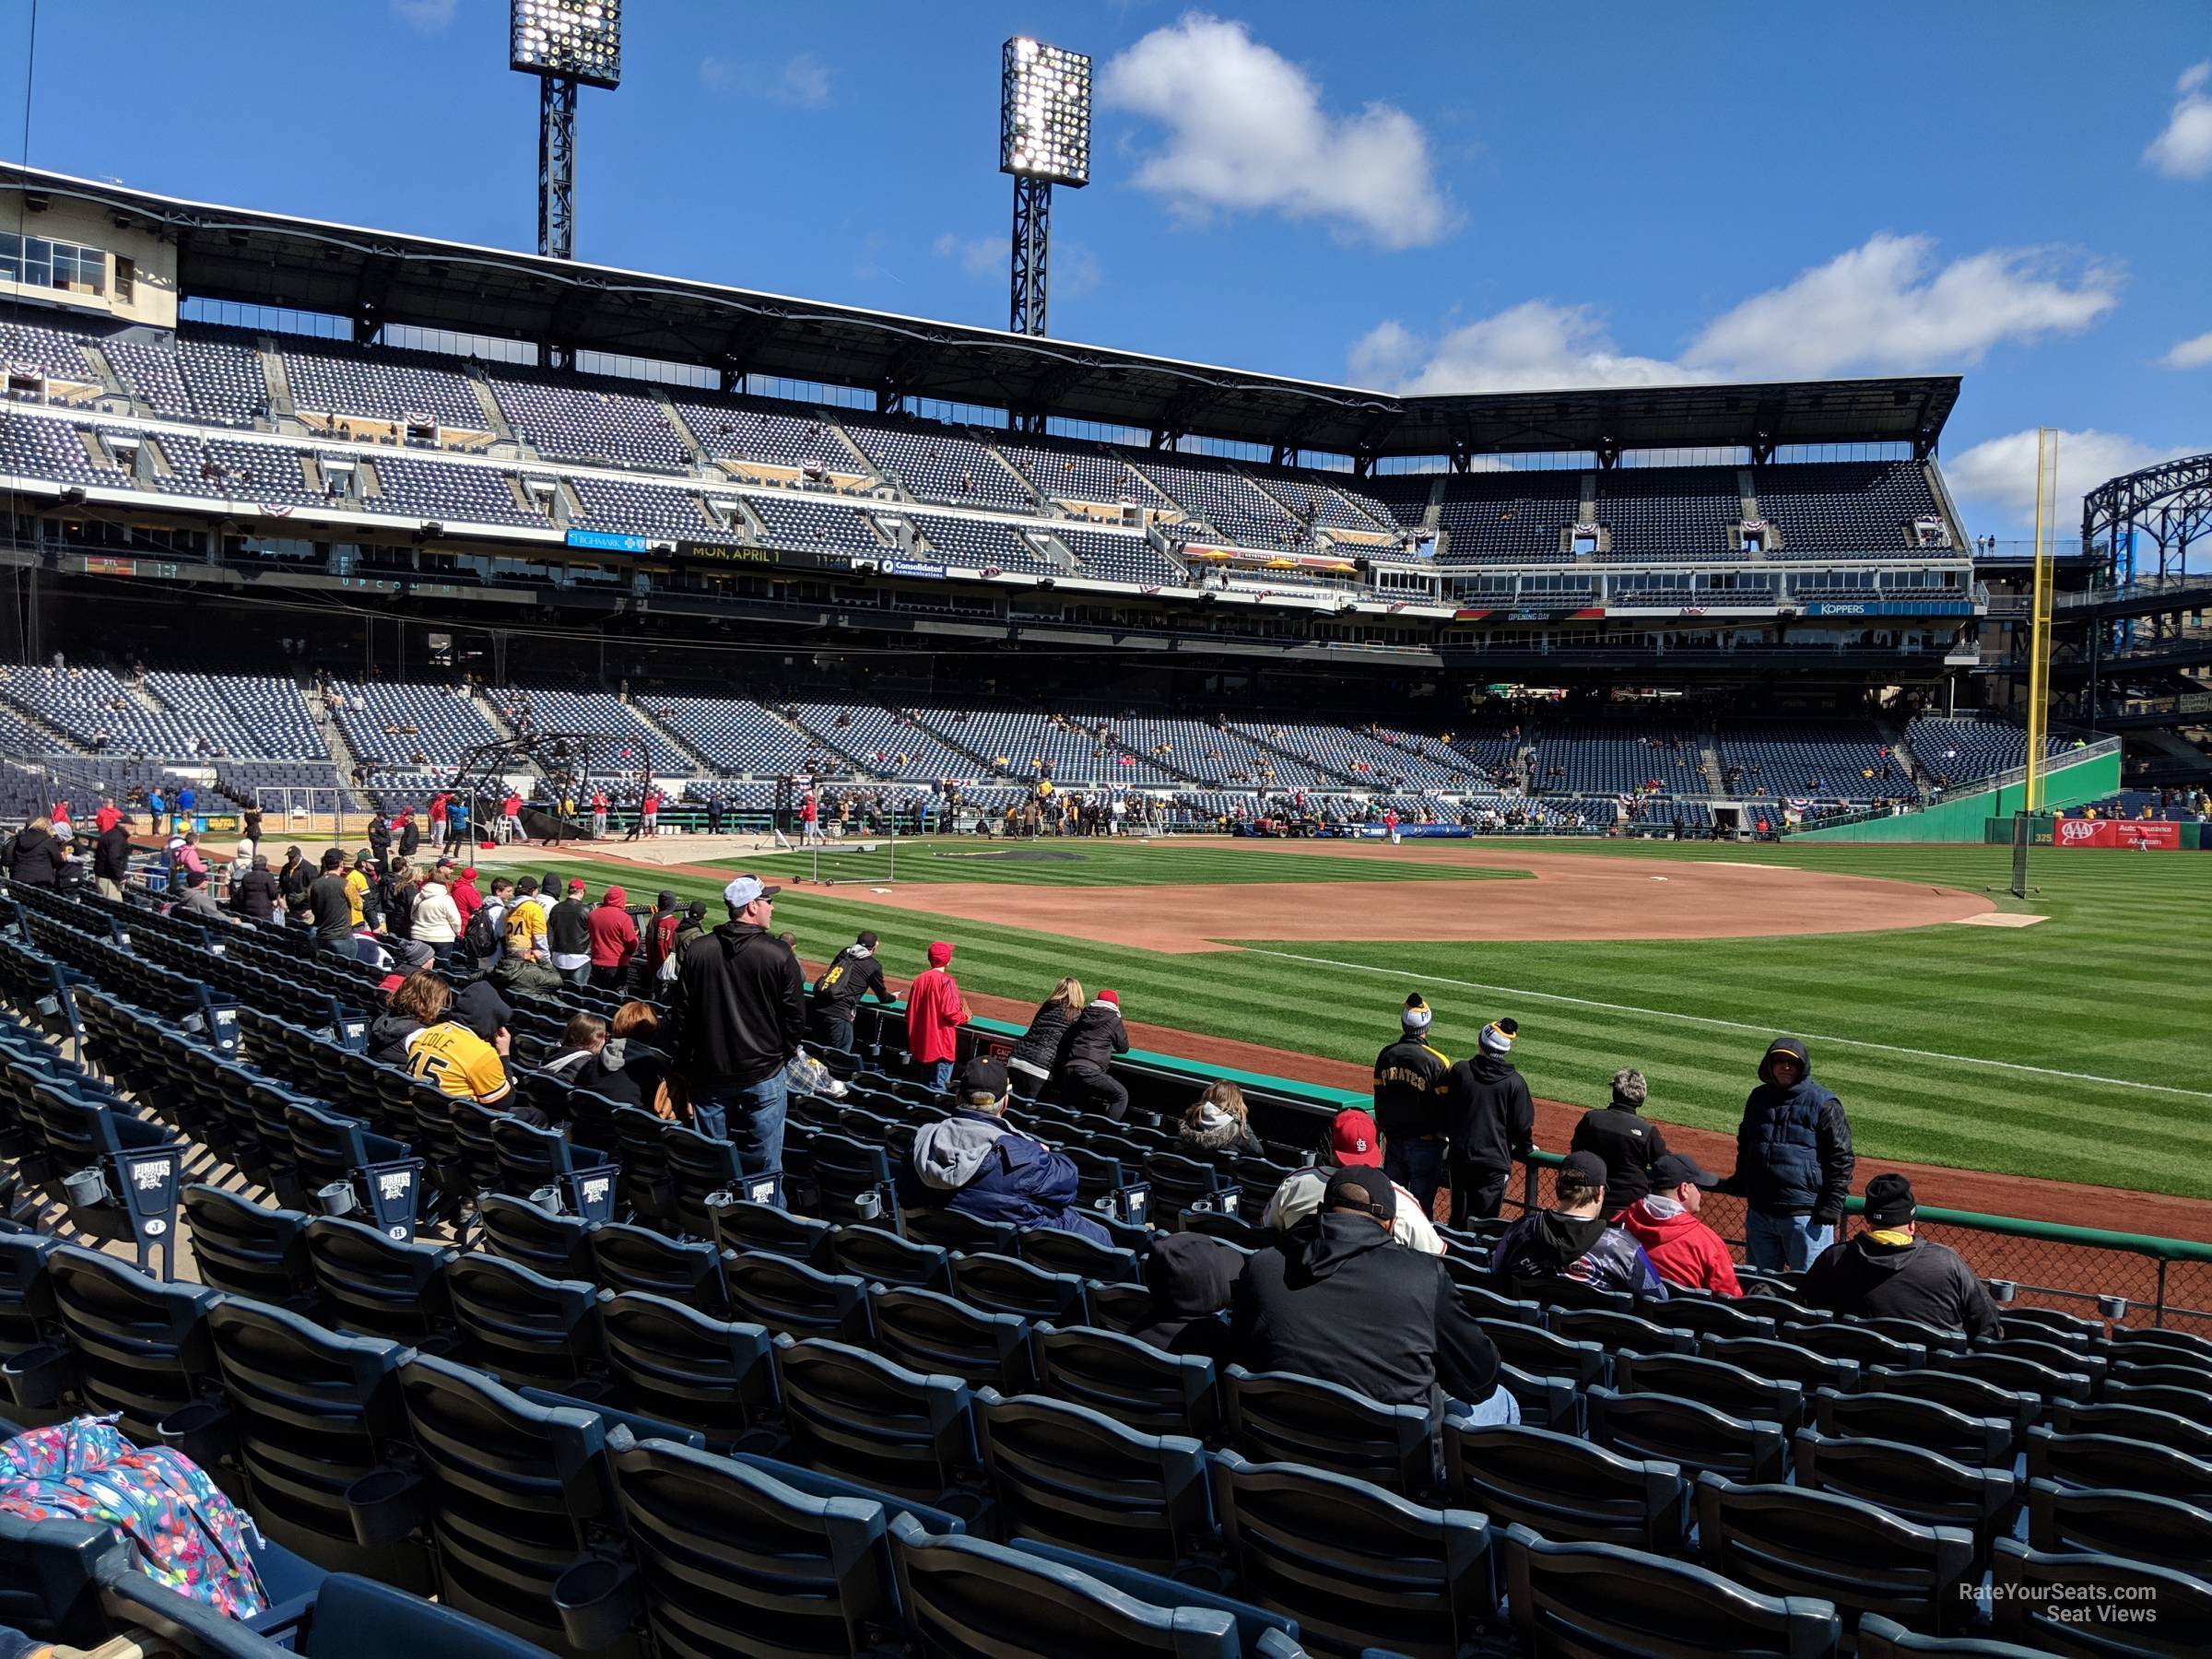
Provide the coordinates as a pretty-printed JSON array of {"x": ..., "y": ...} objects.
[
  {"x": 330, "y": 906},
  {"x": 253, "y": 894},
  {"x": 1794, "y": 1162},
  {"x": 292, "y": 882},
  {"x": 1336, "y": 1297},
  {"x": 380, "y": 841},
  {"x": 854, "y": 973},
  {"x": 741, "y": 1015},
  {"x": 1889, "y": 1272},
  {"x": 569, "y": 935},
  {"x": 1086, "y": 1076},
  {"x": 112, "y": 857},
  {"x": 1493, "y": 1121},
  {"x": 1628, "y": 1146},
  {"x": 1410, "y": 1078}
]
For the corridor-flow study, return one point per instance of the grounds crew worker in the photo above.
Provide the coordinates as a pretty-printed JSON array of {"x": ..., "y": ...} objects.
[{"x": 1410, "y": 1083}]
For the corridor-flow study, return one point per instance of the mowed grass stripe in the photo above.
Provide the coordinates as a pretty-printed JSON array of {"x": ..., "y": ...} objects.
[
  {"x": 1085, "y": 863},
  {"x": 2105, "y": 986}
]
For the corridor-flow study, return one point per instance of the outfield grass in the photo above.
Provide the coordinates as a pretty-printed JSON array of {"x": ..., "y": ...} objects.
[
  {"x": 2072, "y": 1049},
  {"x": 1115, "y": 863}
]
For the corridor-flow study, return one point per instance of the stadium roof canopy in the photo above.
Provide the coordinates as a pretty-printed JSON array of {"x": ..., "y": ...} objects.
[{"x": 379, "y": 276}]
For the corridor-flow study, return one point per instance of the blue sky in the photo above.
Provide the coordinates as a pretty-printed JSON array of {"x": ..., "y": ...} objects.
[{"x": 1429, "y": 196}]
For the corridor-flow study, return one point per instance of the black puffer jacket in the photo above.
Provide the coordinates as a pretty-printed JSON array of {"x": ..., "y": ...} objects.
[
  {"x": 1095, "y": 1037},
  {"x": 1336, "y": 1298},
  {"x": 1493, "y": 1119},
  {"x": 36, "y": 858},
  {"x": 1039, "y": 1045},
  {"x": 1874, "y": 1273},
  {"x": 1792, "y": 1149}
]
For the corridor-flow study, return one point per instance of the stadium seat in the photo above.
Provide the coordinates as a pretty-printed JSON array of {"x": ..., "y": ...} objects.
[
  {"x": 744, "y": 1227},
  {"x": 884, "y": 1258},
  {"x": 525, "y": 1329},
  {"x": 379, "y": 1287},
  {"x": 1787, "y": 1542},
  {"x": 2137, "y": 1526},
  {"x": 516, "y": 1230},
  {"x": 674, "y": 1364},
  {"x": 1699, "y": 1438},
  {"x": 1713, "y": 1382},
  {"x": 1979, "y": 1442},
  {"x": 636, "y": 1258},
  {"x": 1969, "y": 1396},
  {"x": 2031, "y": 1595},
  {"x": 722, "y": 1548},
  {"x": 2167, "y": 1429},
  {"x": 131, "y": 1345},
  {"x": 2106, "y": 1460},
  {"x": 935, "y": 1333},
  {"x": 1129, "y": 1381},
  {"x": 1920, "y": 1486},
  {"x": 1601, "y": 1598},
  {"x": 1357, "y": 1567},
  {"x": 1882, "y": 1638},
  {"x": 248, "y": 1249},
  {"x": 1066, "y": 1475},
  {"x": 1565, "y": 1487},
  {"x": 853, "y": 1415},
  {"x": 1538, "y": 1352},
  {"x": 1785, "y": 1361},
  {"x": 1554, "y": 1403},
  {"x": 1273, "y": 1416},
  {"x": 1615, "y": 1330},
  {"x": 1005, "y": 1284},
  {"x": 2019, "y": 1374},
  {"x": 928, "y": 1225},
  {"x": 793, "y": 1298}
]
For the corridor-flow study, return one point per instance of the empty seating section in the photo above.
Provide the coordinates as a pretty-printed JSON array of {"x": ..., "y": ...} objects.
[
  {"x": 223, "y": 373},
  {"x": 1824, "y": 758},
  {"x": 886, "y": 742},
  {"x": 442, "y": 491},
  {"x": 1508, "y": 517},
  {"x": 1027, "y": 745},
  {"x": 1845, "y": 506},
  {"x": 1231, "y": 503},
  {"x": 587, "y": 419},
  {"x": 1669, "y": 512},
  {"x": 37, "y": 448},
  {"x": 1075, "y": 472},
  {"x": 977, "y": 544},
  {"x": 245, "y": 715},
  {"x": 939, "y": 463},
  {"x": 802, "y": 522},
  {"x": 738, "y": 736},
  {"x": 1327, "y": 506},
  {"x": 1120, "y": 557},
  {"x": 151, "y": 368},
  {"x": 1972, "y": 747},
  {"x": 1402, "y": 498},
  {"x": 777, "y": 436},
  {"x": 397, "y": 723},
  {"x": 1587, "y": 758},
  {"x": 620, "y": 508},
  {"x": 553, "y": 709},
  {"x": 1368, "y": 763},
  {"x": 1213, "y": 755},
  {"x": 380, "y": 382},
  {"x": 54, "y": 352}
]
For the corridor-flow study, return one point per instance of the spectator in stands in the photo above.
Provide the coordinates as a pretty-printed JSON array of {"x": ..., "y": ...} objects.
[
  {"x": 1192, "y": 1279},
  {"x": 37, "y": 856},
  {"x": 1037, "y": 1050},
  {"x": 253, "y": 894},
  {"x": 1332, "y": 1298},
  {"x": 464, "y": 1054},
  {"x": 1354, "y": 1143},
  {"x": 199, "y": 897},
  {"x": 360, "y": 891},
  {"x": 1411, "y": 1079},
  {"x": 399, "y": 891},
  {"x": 658, "y": 940},
  {"x": 420, "y": 1002},
  {"x": 1628, "y": 1146},
  {"x": 693, "y": 927},
  {"x": 632, "y": 1068},
  {"x": 408, "y": 956},
  {"x": 934, "y": 1016},
  {"x": 409, "y": 834},
  {"x": 741, "y": 1015},
  {"x": 187, "y": 799},
  {"x": 1492, "y": 1122},
  {"x": 1086, "y": 1076},
  {"x": 568, "y": 935},
  {"x": 437, "y": 921},
  {"x": 462, "y": 887},
  {"x": 1794, "y": 1162},
  {"x": 330, "y": 905},
  {"x": 1218, "y": 1120},
  {"x": 112, "y": 856},
  {"x": 972, "y": 1163},
  {"x": 854, "y": 973},
  {"x": 190, "y": 859},
  {"x": 581, "y": 1040},
  {"x": 292, "y": 882},
  {"x": 1887, "y": 1271},
  {"x": 1574, "y": 1239},
  {"x": 1665, "y": 1221},
  {"x": 614, "y": 940}
]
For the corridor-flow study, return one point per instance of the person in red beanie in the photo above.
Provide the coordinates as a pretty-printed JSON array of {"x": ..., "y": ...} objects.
[
  {"x": 1085, "y": 1077},
  {"x": 614, "y": 940},
  {"x": 934, "y": 1016},
  {"x": 467, "y": 898},
  {"x": 1354, "y": 1143}
]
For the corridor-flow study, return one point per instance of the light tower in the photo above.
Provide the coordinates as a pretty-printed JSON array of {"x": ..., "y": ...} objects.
[
  {"x": 1043, "y": 140},
  {"x": 566, "y": 44}
]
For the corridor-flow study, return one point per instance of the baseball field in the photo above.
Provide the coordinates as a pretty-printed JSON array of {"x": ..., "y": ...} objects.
[{"x": 1959, "y": 1031}]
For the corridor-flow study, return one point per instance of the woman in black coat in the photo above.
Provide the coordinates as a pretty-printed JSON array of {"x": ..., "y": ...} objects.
[
  {"x": 1036, "y": 1054},
  {"x": 36, "y": 858}
]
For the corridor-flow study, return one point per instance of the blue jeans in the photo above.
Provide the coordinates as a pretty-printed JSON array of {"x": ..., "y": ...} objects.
[
  {"x": 1417, "y": 1166},
  {"x": 837, "y": 1033},
  {"x": 940, "y": 1076},
  {"x": 751, "y": 1117},
  {"x": 1778, "y": 1242}
]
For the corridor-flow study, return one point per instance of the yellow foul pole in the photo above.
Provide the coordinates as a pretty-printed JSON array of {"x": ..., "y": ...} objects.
[{"x": 2039, "y": 634}]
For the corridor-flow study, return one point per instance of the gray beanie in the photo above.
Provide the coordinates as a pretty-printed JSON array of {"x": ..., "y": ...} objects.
[
  {"x": 1416, "y": 1016},
  {"x": 1630, "y": 1088}
]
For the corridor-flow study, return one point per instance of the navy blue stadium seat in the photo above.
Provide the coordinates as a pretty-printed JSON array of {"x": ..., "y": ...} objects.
[
  {"x": 130, "y": 1344},
  {"x": 1713, "y": 1382},
  {"x": 930, "y": 1333},
  {"x": 1979, "y": 1442},
  {"x": 859, "y": 1417},
  {"x": 670, "y": 1362},
  {"x": 1700, "y": 1438},
  {"x": 1131, "y": 1381},
  {"x": 884, "y": 1258},
  {"x": 1882, "y": 1638},
  {"x": 1565, "y": 1487},
  {"x": 1274, "y": 1416},
  {"x": 2137, "y": 1526},
  {"x": 525, "y": 1329},
  {"x": 742, "y": 1225},
  {"x": 793, "y": 1298},
  {"x": 2106, "y": 1460},
  {"x": 1069, "y": 1476},
  {"x": 1922, "y": 1487},
  {"x": 248, "y": 1249},
  {"x": 2031, "y": 1595},
  {"x": 516, "y": 1230},
  {"x": 1005, "y": 1284},
  {"x": 376, "y": 1285},
  {"x": 637, "y": 1258}
]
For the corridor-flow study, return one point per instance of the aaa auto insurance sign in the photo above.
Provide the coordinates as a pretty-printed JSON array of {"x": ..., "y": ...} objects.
[{"x": 2143, "y": 835}]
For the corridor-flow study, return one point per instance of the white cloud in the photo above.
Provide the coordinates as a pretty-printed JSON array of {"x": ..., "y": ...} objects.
[
  {"x": 801, "y": 81},
  {"x": 977, "y": 255},
  {"x": 1883, "y": 307},
  {"x": 1997, "y": 475},
  {"x": 2185, "y": 149},
  {"x": 1246, "y": 131},
  {"x": 429, "y": 15},
  {"x": 2190, "y": 353}
]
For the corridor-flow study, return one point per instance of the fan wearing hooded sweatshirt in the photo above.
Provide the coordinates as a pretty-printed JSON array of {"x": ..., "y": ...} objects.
[
  {"x": 854, "y": 973},
  {"x": 1574, "y": 1239},
  {"x": 1191, "y": 1277},
  {"x": 1889, "y": 1272},
  {"x": 1084, "y": 1078},
  {"x": 1793, "y": 1161},
  {"x": 973, "y": 1163},
  {"x": 1493, "y": 1121},
  {"x": 935, "y": 1015}
]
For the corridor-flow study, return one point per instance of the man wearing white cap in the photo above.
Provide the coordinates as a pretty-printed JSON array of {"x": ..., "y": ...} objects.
[
  {"x": 1492, "y": 1122},
  {"x": 741, "y": 1014}
]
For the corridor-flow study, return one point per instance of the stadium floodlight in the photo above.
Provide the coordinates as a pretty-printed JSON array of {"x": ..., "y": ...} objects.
[
  {"x": 1043, "y": 139},
  {"x": 566, "y": 44}
]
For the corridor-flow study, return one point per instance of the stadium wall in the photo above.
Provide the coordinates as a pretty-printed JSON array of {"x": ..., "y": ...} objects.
[{"x": 1965, "y": 818}]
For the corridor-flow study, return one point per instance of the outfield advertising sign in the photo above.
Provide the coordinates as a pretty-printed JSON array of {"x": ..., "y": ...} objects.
[{"x": 2142, "y": 834}]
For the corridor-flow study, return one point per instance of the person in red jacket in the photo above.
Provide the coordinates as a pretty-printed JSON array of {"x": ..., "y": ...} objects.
[
  {"x": 934, "y": 1016},
  {"x": 467, "y": 898},
  {"x": 614, "y": 940},
  {"x": 1682, "y": 1248}
]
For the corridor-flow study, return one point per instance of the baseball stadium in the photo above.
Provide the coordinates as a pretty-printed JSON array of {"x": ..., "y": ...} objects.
[{"x": 691, "y": 973}]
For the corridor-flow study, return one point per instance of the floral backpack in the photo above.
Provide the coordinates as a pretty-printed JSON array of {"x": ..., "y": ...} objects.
[{"x": 184, "y": 1532}]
